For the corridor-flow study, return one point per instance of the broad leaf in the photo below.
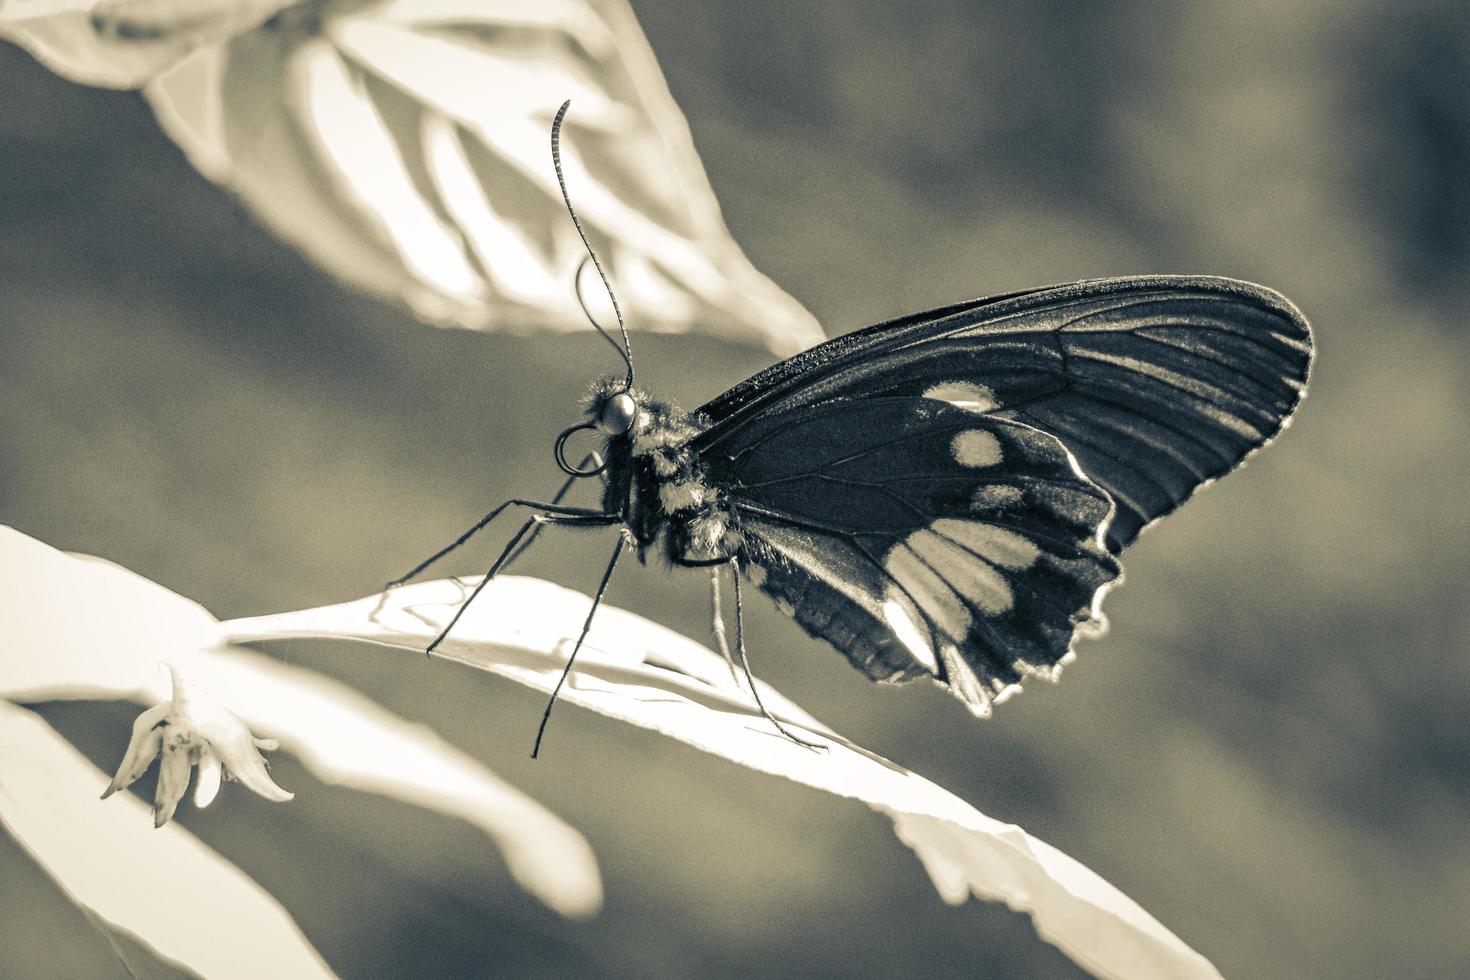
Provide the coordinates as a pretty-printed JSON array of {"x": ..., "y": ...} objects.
[
  {"x": 125, "y": 43},
  {"x": 404, "y": 145},
  {"x": 342, "y": 737},
  {"x": 644, "y": 674}
]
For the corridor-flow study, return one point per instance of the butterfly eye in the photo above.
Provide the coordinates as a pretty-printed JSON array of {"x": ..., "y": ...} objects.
[{"x": 617, "y": 414}]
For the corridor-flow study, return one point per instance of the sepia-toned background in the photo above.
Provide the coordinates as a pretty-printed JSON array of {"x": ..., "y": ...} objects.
[{"x": 1270, "y": 752}]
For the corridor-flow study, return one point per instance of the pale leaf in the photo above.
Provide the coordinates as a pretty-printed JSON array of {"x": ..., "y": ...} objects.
[
  {"x": 644, "y": 674},
  {"x": 124, "y": 43},
  {"x": 164, "y": 887},
  {"x": 75, "y": 627},
  {"x": 405, "y": 146},
  {"x": 346, "y": 739}
]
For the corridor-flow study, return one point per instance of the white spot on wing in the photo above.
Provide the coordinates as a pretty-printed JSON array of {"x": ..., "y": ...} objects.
[
  {"x": 994, "y": 496},
  {"x": 975, "y": 448},
  {"x": 963, "y": 394},
  {"x": 982, "y": 585},
  {"x": 937, "y": 600},
  {"x": 963, "y": 680},
  {"x": 908, "y": 634},
  {"x": 997, "y": 545}
]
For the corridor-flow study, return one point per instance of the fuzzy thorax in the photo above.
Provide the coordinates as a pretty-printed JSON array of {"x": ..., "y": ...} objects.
[{"x": 671, "y": 496}]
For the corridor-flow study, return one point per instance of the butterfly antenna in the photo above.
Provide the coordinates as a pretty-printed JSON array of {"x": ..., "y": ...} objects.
[{"x": 625, "y": 350}]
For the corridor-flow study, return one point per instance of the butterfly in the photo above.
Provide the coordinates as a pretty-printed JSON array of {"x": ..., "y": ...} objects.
[{"x": 943, "y": 496}]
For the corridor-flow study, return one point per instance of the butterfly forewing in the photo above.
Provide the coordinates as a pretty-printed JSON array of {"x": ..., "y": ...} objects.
[
  {"x": 919, "y": 537},
  {"x": 1157, "y": 385}
]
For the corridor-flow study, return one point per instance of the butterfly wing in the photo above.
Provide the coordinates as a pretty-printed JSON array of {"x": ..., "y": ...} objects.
[
  {"x": 1157, "y": 385},
  {"x": 942, "y": 495},
  {"x": 920, "y": 538}
]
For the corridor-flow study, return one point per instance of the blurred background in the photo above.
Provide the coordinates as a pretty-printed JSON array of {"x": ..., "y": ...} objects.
[{"x": 1269, "y": 752}]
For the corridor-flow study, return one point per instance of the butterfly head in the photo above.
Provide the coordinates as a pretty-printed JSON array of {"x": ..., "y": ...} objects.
[
  {"x": 612, "y": 409},
  {"x": 616, "y": 415}
]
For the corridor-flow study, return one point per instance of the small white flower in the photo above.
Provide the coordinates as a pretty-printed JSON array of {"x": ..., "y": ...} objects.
[{"x": 194, "y": 728}]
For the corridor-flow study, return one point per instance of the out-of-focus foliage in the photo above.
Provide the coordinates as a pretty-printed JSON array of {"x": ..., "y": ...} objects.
[
  {"x": 403, "y": 144},
  {"x": 126, "y": 43},
  {"x": 1268, "y": 751}
]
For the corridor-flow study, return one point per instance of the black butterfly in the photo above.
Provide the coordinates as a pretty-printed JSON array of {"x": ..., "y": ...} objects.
[{"x": 943, "y": 496}]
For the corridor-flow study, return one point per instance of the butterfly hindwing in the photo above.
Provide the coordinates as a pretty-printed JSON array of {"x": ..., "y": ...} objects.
[
  {"x": 921, "y": 538},
  {"x": 1157, "y": 385}
]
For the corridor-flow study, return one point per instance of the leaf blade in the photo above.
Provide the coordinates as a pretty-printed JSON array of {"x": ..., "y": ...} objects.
[
  {"x": 342, "y": 737},
  {"x": 643, "y": 674},
  {"x": 498, "y": 75}
]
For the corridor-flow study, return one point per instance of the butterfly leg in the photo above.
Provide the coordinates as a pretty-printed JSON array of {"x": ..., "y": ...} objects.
[
  {"x": 553, "y": 507},
  {"x": 717, "y": 622},
  {"x": 586, "y": 626},
  {"x": 592, "y": 458},
  {"x": 745, "y": 664},
  {"x": 576, "y": 519}
]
